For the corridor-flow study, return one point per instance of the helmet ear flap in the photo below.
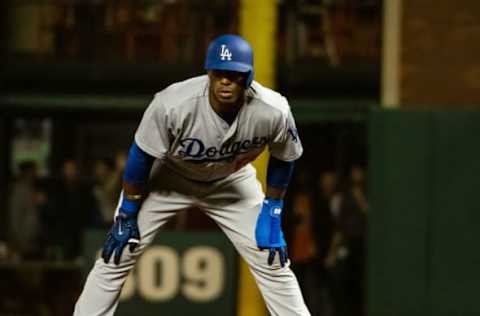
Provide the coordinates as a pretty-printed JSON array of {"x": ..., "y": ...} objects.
[
  {"x": 233, "y": 53},
  {"x": 249, "y": 79}
]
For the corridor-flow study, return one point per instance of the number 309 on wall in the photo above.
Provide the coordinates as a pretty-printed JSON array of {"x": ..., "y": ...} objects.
[{"x": 162, "y": 274}]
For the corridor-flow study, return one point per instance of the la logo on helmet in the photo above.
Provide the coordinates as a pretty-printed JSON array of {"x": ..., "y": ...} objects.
[{"x": 225, "y": 54}]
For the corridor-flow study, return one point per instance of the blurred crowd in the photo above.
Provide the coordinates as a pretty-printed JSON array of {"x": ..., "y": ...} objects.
[
  {"x": 325, "y": 224},
  {"x": 327, "y": 233},
  {"x": 326, "y": 213},
  {"x": 48, "y": 215}
]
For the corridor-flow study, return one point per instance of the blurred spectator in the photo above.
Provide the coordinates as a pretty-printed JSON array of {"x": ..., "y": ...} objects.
[
  {"x": 323, "y": 226},
  {"x": 302, "y": 251},
  {"x": 106, "y": 189},
  {"x": 322, "y": 217},
  {"x": 73, "y": 208},
  {"x": 120, "y": 162},
  {"x": 25, "y": 217},
  {"x": 346, "y": 258},
  {"x": 4, "y": 250}
]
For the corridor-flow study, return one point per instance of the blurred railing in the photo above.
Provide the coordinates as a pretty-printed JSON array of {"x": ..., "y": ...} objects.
[
  {"x": 116, "y": 30},
  {"x": 327, "y": 46}
]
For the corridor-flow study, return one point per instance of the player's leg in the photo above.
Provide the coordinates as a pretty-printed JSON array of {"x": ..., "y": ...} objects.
[
  {"x": 235, "y": 207},
  {"x": 104, "y": 282}
]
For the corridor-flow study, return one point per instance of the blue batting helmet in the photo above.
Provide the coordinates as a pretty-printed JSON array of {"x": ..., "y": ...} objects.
[{"x": 230, "y": 52}]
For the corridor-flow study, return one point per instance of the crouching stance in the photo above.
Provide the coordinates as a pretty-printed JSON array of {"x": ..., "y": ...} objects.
[{"x": 193, "y": 147}]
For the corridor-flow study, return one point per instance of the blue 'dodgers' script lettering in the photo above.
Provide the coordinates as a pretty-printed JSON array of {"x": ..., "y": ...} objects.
[{"x": 196, "y": 149}]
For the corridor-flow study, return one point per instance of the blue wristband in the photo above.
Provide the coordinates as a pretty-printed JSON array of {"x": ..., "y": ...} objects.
[
  {"x": 130, "y": 207},
  {"x": 138, "y": 166}
]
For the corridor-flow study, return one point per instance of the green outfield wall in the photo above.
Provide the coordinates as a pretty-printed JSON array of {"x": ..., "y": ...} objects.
[
  {"x": 424, "y": 225},
  {"x": 180, "y": 274}
]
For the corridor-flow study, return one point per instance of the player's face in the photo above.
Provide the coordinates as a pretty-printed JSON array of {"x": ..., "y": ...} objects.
[{"x": 227, "y": 86}]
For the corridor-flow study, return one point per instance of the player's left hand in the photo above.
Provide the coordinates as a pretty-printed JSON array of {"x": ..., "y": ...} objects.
[
  {"x": 124, "y": 232},
  {"x": 268, "y": 231}
]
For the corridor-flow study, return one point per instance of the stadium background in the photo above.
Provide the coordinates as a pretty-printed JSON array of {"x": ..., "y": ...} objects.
[{"x": 390, "y": 88}]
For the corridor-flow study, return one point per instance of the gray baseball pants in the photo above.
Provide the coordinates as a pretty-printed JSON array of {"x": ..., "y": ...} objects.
[{"x": 234, "y": 204}]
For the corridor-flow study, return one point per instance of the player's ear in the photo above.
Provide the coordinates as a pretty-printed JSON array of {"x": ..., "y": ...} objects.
[{"x": 244, "y": 81}]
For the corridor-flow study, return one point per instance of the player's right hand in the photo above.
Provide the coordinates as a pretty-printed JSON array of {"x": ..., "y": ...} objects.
[{"x": 123, "y": 232}]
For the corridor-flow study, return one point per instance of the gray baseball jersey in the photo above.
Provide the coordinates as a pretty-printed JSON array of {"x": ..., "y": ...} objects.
[
  {"x": 181, "y": 129},
  {"x": 203, "y": 161}
]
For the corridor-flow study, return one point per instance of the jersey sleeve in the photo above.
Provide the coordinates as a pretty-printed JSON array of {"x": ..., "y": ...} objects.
[
  {"x": 285, "y": 143},
  {"x": 152, "y": 135}
]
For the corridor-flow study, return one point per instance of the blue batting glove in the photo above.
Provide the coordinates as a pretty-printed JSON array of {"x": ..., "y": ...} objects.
[
  {"x": 124, "y": 232},
  {"x": 268, "y": 231}
]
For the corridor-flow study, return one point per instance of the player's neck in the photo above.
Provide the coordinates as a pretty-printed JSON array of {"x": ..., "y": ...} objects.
[{"x": 226, "y": 109}]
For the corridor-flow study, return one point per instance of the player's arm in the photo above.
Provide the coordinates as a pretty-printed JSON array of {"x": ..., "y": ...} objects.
[
  {"x": 279, "y": 173},
  {"x": 268, "y": 231},
  {"x": 285, "y": 147},
  {"x": 135, "y": 178},
  {"x": 125, "y": 229}
]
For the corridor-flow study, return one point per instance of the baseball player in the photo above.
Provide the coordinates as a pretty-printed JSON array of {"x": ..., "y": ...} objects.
[{"x": 193, "y": 147}]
